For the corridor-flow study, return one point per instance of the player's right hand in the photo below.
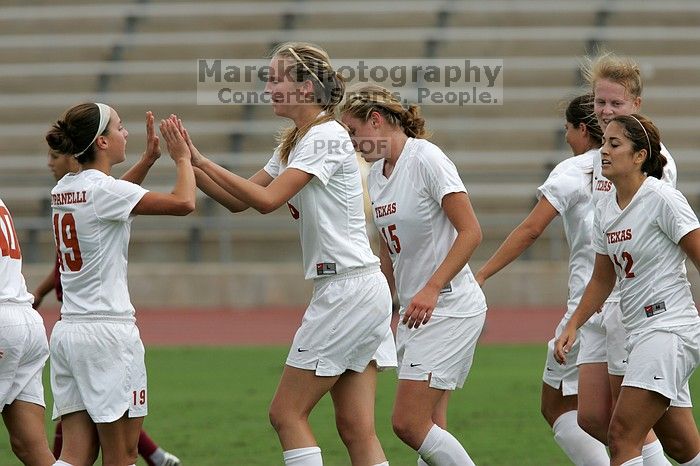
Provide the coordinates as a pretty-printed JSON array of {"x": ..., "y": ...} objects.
[
  {"x": 177, "y": 147},
  {"x": 563, "y": 344}
]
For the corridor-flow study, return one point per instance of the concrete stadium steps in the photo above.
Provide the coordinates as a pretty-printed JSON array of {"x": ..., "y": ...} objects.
[
  {"x": 59, "y": 25},
  {"x": 53, "y": 55},
  {"x": 503, "y": 152}
]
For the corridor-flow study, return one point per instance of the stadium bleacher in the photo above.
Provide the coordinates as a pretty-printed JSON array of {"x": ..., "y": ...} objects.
[{"x": 139, "y": 55}]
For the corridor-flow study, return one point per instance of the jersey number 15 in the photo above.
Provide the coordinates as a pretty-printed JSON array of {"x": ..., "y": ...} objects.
[{"x": 391, "y": 240}]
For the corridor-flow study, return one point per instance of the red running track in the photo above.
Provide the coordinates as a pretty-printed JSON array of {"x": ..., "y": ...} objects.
[{"x": 246, "y": 327}]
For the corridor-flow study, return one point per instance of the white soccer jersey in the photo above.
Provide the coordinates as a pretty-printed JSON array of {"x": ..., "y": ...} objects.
[
  {"x": 602, "y": 187},
  {"x": 92, "y": 222},
  {"x": 329, "y": 209},
  {"x": 13, "y": 289},
  {"x": 407, "y": 211},
  {"x": 642, "y": 242},
  {"x": 569, "y": 189}
]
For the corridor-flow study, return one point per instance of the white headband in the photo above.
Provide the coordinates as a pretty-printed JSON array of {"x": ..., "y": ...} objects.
[
  {"x": 105, "y": 113},
  {"x": 645, "y": 134}
]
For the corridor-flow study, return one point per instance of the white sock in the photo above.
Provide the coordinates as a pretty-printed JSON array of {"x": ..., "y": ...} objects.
[
  {"x": 694, "y": 462},
  {"x": 581, "y": 448},
  {"x": 638, "y": 461},
  {"x": 61, "y": 463},
  {"x": 421, "y": 462},
  {"x": 157, "y": 456},
  {"x": 440, "y": 448},
  {"x": 309, "y": 456},
  {"x": 653, "y": 454},
  {"x": 386, "y": 463}
]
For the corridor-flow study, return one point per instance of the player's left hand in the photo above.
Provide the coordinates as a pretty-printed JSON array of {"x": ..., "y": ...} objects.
[
  {"x": 420, "y": 309},
  {"x": 152, "y": 152}
]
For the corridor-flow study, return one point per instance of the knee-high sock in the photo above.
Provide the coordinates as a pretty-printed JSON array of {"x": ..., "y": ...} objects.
[
  {"x": 638, "y": 461},
  {"x": 653, "y": 454},
  {"x": 581, "y": 448},
  {"x": 309, "y": 456},
  {"x": 440, "y": 448}
]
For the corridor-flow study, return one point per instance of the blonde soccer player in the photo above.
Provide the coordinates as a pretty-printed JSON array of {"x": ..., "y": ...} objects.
[
  {"x": 616, "y": 84},
  {"x": 567, "y": 192},
  {"x": 345, "y": 334},
  {"x": 98, "y": 375},
  {"x": 23, "y": 353},
  {"x": 428, "y": 233},
  {"x": 642, "y": 235}
]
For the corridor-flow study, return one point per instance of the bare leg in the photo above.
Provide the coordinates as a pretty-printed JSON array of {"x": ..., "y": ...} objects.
[
  {"x": 413, "y": 411},
  {"x": 636, "y": 411},
  {"x": 25, "y": 424},
  {"x": 80, "y": 441},
  {"x": 594, "y": 400},
  {"x": 553, "y": 403},
  {"x": 353, "y": 398},
  {"x": 679, "y": 434},
  {"x": 119, "y": 440},
  {"x": 298, "y": 392}
]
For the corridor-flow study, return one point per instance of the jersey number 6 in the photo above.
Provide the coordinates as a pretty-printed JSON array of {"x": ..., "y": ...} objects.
[{"x": 66, "y": 234}]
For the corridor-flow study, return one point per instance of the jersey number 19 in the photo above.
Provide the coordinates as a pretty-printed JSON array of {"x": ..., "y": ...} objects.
[{"x": 66, "y": 235}]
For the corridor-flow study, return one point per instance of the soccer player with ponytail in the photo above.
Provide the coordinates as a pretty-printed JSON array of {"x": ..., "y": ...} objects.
[
  {"x": 345, "y": 333},
  {"x": 98, "y": 374},
  {"x": 429, "y": 231}
]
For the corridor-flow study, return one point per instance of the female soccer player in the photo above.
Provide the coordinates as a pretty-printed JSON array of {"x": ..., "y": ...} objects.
[
  {"x": 616, "y": 85},
  {"x": 98, "y": 376},
  {"x": 642, "y": 235},
  {"x": 60, "y": 165},
  {"x": 566, "y": 192},
  {"x": 421, "y": 209},
  {"x": 23, "y": 353},
  {"x": 314, "y": 172}
]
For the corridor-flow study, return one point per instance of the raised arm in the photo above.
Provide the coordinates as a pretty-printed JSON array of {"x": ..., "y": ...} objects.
[
  {"x": 521, "y": 238},
  {"x": 137, "y": 173},
  {"x": 460, "y": 213},
  {"x": 182, "y": 200},
  {"x": 220, "y": 195},
  {"x": 597, "y": 291}
]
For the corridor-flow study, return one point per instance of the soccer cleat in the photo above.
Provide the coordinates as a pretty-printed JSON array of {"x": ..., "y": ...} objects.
[{"x": 170, "y": 460}]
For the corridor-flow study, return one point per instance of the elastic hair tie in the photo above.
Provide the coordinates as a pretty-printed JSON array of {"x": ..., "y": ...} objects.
[{"x": 105, "y": 113}]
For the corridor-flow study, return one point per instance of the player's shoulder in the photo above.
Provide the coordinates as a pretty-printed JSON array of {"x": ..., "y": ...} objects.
[
  {"x": 579, "y": 164},
  {"x": 329, "y": 128},
  {"x": 656, "y": 188},
  {"x": 423, "y": 154}
]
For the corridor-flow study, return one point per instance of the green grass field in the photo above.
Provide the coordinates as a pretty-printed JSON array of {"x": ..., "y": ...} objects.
[{"x": 209, "y": 406}]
